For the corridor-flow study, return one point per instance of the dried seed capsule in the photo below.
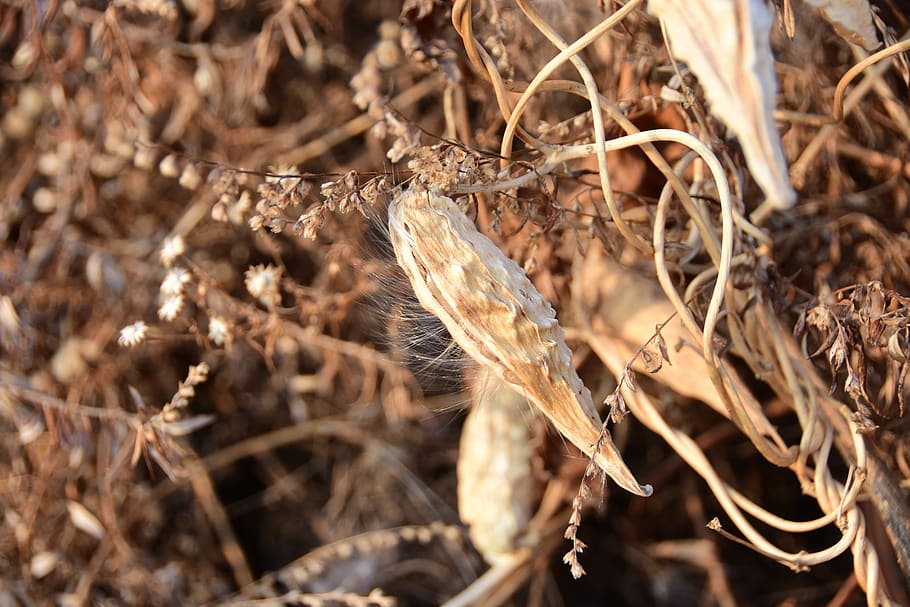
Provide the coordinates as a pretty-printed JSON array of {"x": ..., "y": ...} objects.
[
  {"x": 497, "y": 317},
  {"x": 495, "y": 480}
]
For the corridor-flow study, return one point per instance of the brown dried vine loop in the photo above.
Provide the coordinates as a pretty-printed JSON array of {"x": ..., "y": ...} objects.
[{"x": 498, "y": 318}]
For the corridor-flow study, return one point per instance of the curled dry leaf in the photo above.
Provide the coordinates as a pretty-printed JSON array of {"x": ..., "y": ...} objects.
[
  {"x": 726, "y": 44},
  {"x": 851, "y": 19},
  {"x": 621, "y": 325},
  {"x": 653, "y": 361},
  {"x": 495, "y": 480},
  {"x": 498, "y": 318}
]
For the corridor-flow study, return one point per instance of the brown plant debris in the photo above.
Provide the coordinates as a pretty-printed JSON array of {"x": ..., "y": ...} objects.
[{"x": 259, "y": 260}]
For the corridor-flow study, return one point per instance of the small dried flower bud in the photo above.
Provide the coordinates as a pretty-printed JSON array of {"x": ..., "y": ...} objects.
[
  {"x": 256, "y": 222},
  {"x": 309, "y": 223},
  {"x": 43, "y": 563},
  {"x": 144, "y": 157},
  {"x": 45, "y": 200},
  {"x": 171, "y": 249},
  {"x": 219, "y": 211},
  {"x": 169, "y": 167},
  {"x": 401, "y": 147},
  {"x": 262, "y": 283},
  {"x": 389, "y": 29},
  {"x": 51, "y": 164},
  {"x": 174, "y": 281},
  {"x": 328, "y": 189},
  {"x": 203, "y": 79},
  {"x": 190, "y": 177},
  {"x": 106, "y": 166},
  {"x": 132, "y": 335},
  {"x": 388, "y": 54},
  {"x": 170, "y": 307},
  {"x": 229, "y": 209},
  {"x": 25, "y": 54},
  {"x": 351, "y": 180},
  {"x": 31, "y": 101},
  {"x": 17, "y": 124},
  {"x": 219, "y": 332}
]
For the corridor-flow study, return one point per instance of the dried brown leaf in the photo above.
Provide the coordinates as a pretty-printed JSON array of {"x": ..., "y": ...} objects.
[{"x": 653, "y": 360}]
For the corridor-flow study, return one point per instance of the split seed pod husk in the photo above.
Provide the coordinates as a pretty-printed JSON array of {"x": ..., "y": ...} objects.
[
  {"x": 727, "y": 45},
  {"x": 498, "y": 318}
]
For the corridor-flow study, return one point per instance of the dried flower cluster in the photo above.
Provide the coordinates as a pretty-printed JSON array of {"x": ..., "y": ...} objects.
[
  {"x": 263, "y": 282},
  {"x": 852, "y": 324},
  {"x": 154, "y": 437}
]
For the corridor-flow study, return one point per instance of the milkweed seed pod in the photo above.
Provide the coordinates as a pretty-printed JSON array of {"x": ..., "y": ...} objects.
[
  {"x": 495, "y": 480},
  {"x": 498, "y": 318}
]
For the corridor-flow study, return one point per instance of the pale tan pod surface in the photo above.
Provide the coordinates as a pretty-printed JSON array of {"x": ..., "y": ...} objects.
[
  {"x": 497, "y": 317},
  {"x": 495, "y": 480}
]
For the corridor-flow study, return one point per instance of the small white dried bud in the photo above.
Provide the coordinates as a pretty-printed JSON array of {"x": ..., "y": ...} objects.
[
  {"x": 170, "y": 307},
  {"x": 144, "y": 157},
  {"x": 45, "y": 200},
  {"x": 237, "y": 211},
  {"x": 219, "y": 331},
  {"x": 43, "y": 563},
  {"x": 388, "y": 54},
  {"x": 132, "y": 335},
  {"x": 262, "y": 283},
  {"x": 169, "y": 167},
  {"x": 204, "y": 79},
  {"x": 174, "y": 280},
  {"x": 171, "y": 250},
  {"x": 190, "y": 177}
]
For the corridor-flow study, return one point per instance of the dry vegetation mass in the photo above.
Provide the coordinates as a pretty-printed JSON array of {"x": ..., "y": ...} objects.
[{"x": 280, "y": 280}]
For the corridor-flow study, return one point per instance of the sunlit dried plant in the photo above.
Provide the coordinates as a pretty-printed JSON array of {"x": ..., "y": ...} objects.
[{"x": 498, "y": 318}]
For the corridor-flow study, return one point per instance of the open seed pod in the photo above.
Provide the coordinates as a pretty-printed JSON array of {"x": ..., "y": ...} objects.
[{"x": 498, "y": 318}]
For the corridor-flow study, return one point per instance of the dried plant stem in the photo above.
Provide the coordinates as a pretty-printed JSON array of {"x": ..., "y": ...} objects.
[
  {"x": 218, "y": 517},
  {"x": 800, "y": 168},
  {"x": 858, "y": 69},
  {"x": 836, "y": 500},
  {"x": 485, "y": 65},
  {"x": 359, "y": 124},
  {"x": 721, "y": 376},
  {"x": 570, "y": 53},
  {"x": 644, "y": 409}
]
